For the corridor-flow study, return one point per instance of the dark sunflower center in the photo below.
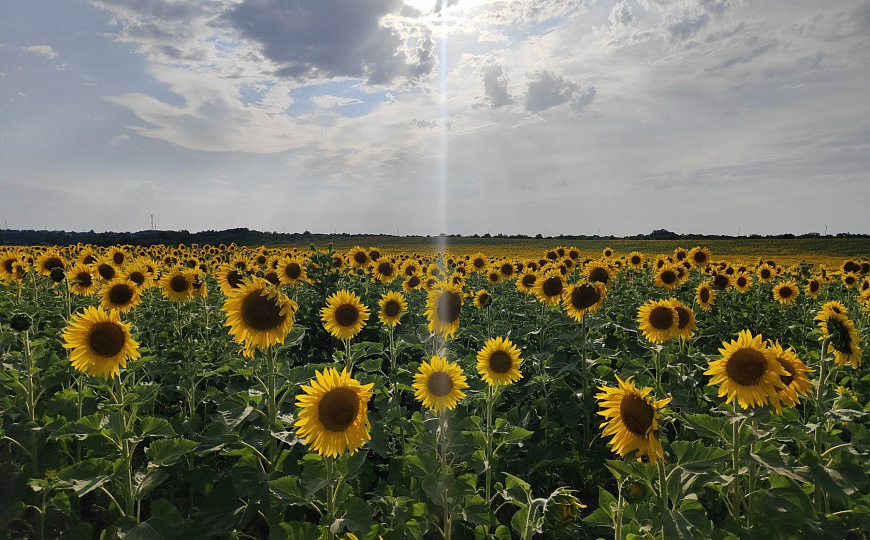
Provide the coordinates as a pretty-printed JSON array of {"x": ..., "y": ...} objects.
[
  {"x": 700, "y": 257},
  {"x": 118, "y": 258},
  {"x": 599, "y": 274},
  {"x": 584, "y": 296},
  {"x": 721, "y": 281},
  {"x": 106, "y": 271},
  {"x": 392, "y": 308},
  {"x": 179, "y": 284},
  {"x": 765, "y": 274},
  {"x": 741, "y": 281},
  {"x": 500, "y": 362},
  {"x": 261, "y": 312},
  {"x": 661, "y": 318},
  {"x": 635, "y": 260},
  {"x": 338, "y": 409},
  {"x": 668, "y": 277},
  {"x": 839, "y": 336},
  {"x": 85, "y": 279},
  {"x": 787, "y": 379},
  {"x": 136, "y": 277},
  {"x": 479, "y": 263},
  {"x": 106, "y": 339},
  {"x": 484, "y": 299},
  {"x": 89, "y": 259},
  {"x": 705, "y": 295},
  {"x": 850, "y": 280},
  {"x": 553, "y": 286},
  {"x": 507, "y": 269},
  {"x": 360, "y": 258},
  {"x": 52, "y": 262},
  {"x": 414, "y": 281},
  {"x": 636, "y": 414},
  {"x": 814, "y": 286},
  {"x": 684, "y": 316},
  {"x": 346, "y": 315},
  {"x": 449, "y": 306},
  {"x": 529, "y": 280},
  {"x": 272, "y": 277},
  {"x": 121, "y": 294},
  {"x": 785, "y": 292},
  {"x": 440, "y": 384},
  {"x": 746, "y": 367},
  {"x": 7, "y": 265},
  {"x": 293, "y": 270},
  {"x": 261, "y": 259},
  {"x": 235, "y": 278},
  {"x": 385, "y": 269}
]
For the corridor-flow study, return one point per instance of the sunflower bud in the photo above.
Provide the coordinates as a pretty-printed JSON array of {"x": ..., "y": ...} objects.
[
  {"x": 634, "y": 492},
  {"x": 21, "y": 322},
  {"x": 57, "y": 274}
]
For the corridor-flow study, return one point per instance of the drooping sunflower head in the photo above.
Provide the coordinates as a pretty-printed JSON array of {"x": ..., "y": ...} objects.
[
  {"x": 658, "y": 320},
  {"x": 786, "y": 292},
  {"x": 686, "y": 320},
  {"x": 550, "y": 287},
  {"x": 797, "y": 383},
  {"x": 705, "y": 295},
  {"x": 632, "y": 416},
  {"x": 482, "y": 299},
  {"x": 82, "y": 280},
  {"x": 344, "y": 315},
  {"x": 100, "y": 342},
  {"x": 499, "y": 361},
  {"x": 333, "y": 413},
  {"x": 439, "y": 384},
  {"x": 177, "y": 284},
  {"x": 747, "y": 371},
  {"x": 843, "y": 340},
  {"x": 443, "y": 308},
  {"x": 119, "y": 294},
  {"x": 583, "y": 298},
  {"x": 392, "y": 306},
  {"x": 258, "y": 314}
]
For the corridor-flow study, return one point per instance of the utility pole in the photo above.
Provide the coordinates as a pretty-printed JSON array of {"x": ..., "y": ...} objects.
[
  {"x": 826, "y": 230},
  {"x": 152, "y": 222}
]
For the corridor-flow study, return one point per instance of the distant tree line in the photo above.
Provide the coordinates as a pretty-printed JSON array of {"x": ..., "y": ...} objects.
[{"x": 247, "y": 237}]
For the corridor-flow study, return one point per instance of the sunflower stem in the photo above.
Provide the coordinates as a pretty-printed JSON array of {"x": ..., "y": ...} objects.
[
  {"x": 348, "y": 360},
  {"x": 442, "y": 445},
  {"x": 330, "y": 501},
  {"x": 271, "y": 447},
  {"x": 617, "y": 525},
  {"x": 31, "y": 406},
  {"x": 735, "y": 454},
  {"x": 823, "y": 374}
]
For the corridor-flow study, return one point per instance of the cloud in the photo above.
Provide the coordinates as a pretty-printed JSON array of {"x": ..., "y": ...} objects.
[
  {"x": 495, "y": 84},
  {"x": 547, "y": 90},
  {"x": 328, "y": 39},
  {"x": 327, "y": 102},
  {"x": 118, "y": 140},
  {"x": 621, "y": 14},
  {"x": 42, "y": 50}
]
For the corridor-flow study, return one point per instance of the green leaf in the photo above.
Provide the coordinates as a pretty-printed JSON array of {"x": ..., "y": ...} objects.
[
  {"x": 693, "y": 456},
  {"x": 357, "y": 516},
  {"x": 517, "y": 434},
  {"x": 86, "y": 476},
  {"x": 168, "y": 451},
  {"x": 156, "y": 427},
  {"x": 290, "y": 491},
  {"x": 707, "y": 426}
]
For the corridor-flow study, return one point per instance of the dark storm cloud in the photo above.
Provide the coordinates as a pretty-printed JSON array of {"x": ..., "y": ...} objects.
[{"x": 328, "y": 38}]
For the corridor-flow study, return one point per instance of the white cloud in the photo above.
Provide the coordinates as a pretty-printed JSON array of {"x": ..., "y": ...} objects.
[
  {"x": 42, "y": 50},
  {"x": 118, "y": 140},
  {"x": 326, "y": 101}
]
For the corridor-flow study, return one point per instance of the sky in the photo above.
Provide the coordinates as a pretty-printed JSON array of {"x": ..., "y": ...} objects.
[{"x": 430, "y": 116}]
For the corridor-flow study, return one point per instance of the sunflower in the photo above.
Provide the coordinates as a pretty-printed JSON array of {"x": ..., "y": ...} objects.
[
  {"x": 765, "y": 273},
  {"x": 748, "y": 370},
  {"x": 358, "y": 257},
  {"x": 8, "y": 260},
  {"x": 667, "y": 278},
  {"x": 681, "y": 254},
  {"x": 48, "y": 261},
  {"x": 100, "y": 342},
  {"x": 835, "y": 307},
  {"x": 699, "y": 256},
  {"x": 177, "y": 284},
  {"x": 842, "y": 337},
  {"x": 392, "y": 306},
  {"x": 814, "y": 287},
  {"x": 197, "y": 284},
  {"x": 507, "y": 269},
  {"x": 786, "y": 292},
  {"x": 635, "y": 259},
  {"x": 850, "y": 280},
  {"x": 705, "y": 295},
  {"x": 658, "y": 320},
  {"x": 117, "y": 257},
  {"x": 291, "y": 271},
  {"x": 492, "y": 275},
  {"x": 743, "y": 282},
  {"x": 443, "y": 307},
  {"x": 333, "y": 413},
  {"x": 439, "y": 384},
  {"x": 796, "y": 382},
  {"x": 482, "y": 299},
  {"x": 526, "y": 281},
  {"x": 412, "y": 283},
  {"x": 82, "y": 281},
  {"x": 686, "y": 325},
  {"x": 120, "y": 294},
  {"x": 229, "y": 279},
  {"x": 599, "y": 272},
  {"x": 384, "y": 270},
  {"x": 632, "y": 419},
  {"x": 138, "y": 273},
  {"x": 258, "y": 314},
  {"x": 478, "y": 262},
  {"x": 607, "y": 253},
  {"x": 344, "y": 315},
  {"x": 583, "y": 298},
  {"x": 550, "y": 287},
  {"x": 499, "y": 362},
  {"x": 722, "y": 281}
]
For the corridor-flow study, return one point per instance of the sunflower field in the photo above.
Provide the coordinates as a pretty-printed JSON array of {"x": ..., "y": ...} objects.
[{"x": 184, "y": 392}]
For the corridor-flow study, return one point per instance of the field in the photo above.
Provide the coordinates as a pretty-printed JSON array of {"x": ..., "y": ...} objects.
[{"x": 507, "y": 389}]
